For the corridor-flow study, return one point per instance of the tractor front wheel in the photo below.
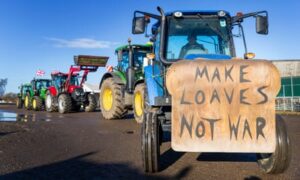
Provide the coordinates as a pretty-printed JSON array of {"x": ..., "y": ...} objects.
[
  {"x": 19, "y": 103},
  {"x": 50, "y": 103},
  {"x": 27, "y": 102},
  {"x": 151, "y": 136},
  {"x": 277, "y": 162},
  {"x": 64, "y": 103},
  {"x": 138, "y": 102},
  {"x": 112, "y": 103},
  {"x": 92, "y": 103},
  {"x": 37, "y": 103},
  {"x": 150, "y": 141}
]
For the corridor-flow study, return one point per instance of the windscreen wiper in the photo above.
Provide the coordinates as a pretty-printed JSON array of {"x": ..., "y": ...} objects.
[{"x": 214, "y": 29}]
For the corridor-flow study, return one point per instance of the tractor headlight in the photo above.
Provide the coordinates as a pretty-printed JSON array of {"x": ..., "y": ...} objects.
[
  {"x": 78, "y": 91},
  {"x": 249, "y": 55}
]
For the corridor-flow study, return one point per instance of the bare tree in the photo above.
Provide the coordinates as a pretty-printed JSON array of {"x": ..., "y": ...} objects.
[{"x": 3, "y": 83}]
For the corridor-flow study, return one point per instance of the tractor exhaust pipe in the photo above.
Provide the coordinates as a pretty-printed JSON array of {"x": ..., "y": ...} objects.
[
  {"x": 162, "y": 36},
  {"x": 130, "y": 71}
]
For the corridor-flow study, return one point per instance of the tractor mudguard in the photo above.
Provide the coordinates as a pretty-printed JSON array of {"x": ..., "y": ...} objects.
[
  {"x": 52, "y": 90},
  {"x": 154, "y": 83},
  {"x": 138, "y": 82},
  {"x": 117, "y": 76}
]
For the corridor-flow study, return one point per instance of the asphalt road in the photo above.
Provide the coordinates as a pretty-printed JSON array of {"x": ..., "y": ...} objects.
[{"x": 43, "y": 145}]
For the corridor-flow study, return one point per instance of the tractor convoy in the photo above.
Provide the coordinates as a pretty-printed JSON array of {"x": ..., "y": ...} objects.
[
  {"x": 63, "y": 92},
  {"x": 189, "y": 78}
]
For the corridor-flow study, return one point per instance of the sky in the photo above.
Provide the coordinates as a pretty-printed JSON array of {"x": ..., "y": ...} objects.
[{"x": 46, "y": 34}]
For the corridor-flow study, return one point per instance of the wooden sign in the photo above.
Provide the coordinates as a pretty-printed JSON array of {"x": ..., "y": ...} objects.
[{"x": 223, "y": 106}]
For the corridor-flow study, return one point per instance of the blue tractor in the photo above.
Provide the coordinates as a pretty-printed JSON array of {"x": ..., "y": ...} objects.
[{"x": 191, "y": 35}]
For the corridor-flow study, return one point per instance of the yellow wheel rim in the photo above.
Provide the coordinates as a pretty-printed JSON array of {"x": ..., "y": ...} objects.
[
  {"x": 138, "y": 104},
  {"x": 34, "y": 104},
  {"x": 26, "y": 101},
  {"x": 107, "y": 99}
]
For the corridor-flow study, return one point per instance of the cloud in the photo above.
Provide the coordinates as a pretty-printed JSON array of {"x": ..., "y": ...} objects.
[{"x": 85, "y": 43}]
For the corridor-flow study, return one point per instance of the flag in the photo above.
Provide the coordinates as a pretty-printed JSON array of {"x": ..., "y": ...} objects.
[{"x": 40, "y": 73}]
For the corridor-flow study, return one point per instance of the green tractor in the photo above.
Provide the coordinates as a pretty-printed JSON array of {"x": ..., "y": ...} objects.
[
  {"x": 122, "y": 87},
  {"x": 35, "y": 97},
  {"x": 24, "y": 90}
]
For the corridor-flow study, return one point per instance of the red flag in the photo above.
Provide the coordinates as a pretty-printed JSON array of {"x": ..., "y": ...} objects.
[{"x": 40, "y": 73}]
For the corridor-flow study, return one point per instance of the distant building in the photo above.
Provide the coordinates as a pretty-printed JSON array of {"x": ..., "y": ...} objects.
[{"x": 289, "y": 94}]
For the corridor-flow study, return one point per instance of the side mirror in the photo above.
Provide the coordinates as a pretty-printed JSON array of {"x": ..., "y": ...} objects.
[
  {"x": 138, "y": 25},
  {"x": 262, "y": 25}
]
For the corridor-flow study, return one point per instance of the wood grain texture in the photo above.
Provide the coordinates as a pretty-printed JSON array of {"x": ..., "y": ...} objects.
[{"x": 223, "y": 106}]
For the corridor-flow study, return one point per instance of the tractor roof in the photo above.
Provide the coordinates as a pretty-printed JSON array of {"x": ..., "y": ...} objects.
[
  {"x": 26, "y": 84},
  {"x": 147, "y": 46},
  {"x": 57, "y": 73},
  {"x": 194, "y": 12},
  {"x": 190, "y": 13},
  {"x": 41, "y": 80}
]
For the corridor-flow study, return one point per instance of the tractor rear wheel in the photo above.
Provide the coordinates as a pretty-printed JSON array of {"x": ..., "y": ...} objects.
[
  {"x": 37, "y": 103},
  {"x": 64, "y": 103},
  {"x": 112, "y": 103},
  {"x": 277, "y": 162},
  {"x": 92, "y": 103},
  {"x": 50, "y": 103},
  {"x": 27, "y": 102},
  {"x": 138, "y": 102},
  {"x": 19, "y": 103}
]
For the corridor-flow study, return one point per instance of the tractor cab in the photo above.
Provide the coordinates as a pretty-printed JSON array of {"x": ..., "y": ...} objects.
[
  {"x": 139, "y": 52},
  {"x": 59, "y": 79},
  {"x": 39, "y": 85},
  {"x": 196, "y": 34},
  {"x": 26, "y": 88}
]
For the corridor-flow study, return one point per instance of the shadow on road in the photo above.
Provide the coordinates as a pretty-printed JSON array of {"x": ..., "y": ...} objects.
[
  {"x": 7, "y": 133},
  {"x": 169, "y": 157},
  {"x": 81, "y": 168},
  {"x": 230, "y": 157}
]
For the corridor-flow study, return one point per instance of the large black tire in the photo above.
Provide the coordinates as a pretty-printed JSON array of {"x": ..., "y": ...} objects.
[
  {"x": 50, "y": 103},
  {"x": 278, "y": 161},
  {"x": 150, "y": 142},
  {"x": 116, "y": 108},
  {"x": 151, "y": 135},
  {"x": 64, "y": 103},
  {"x": 37, "y": 103},
  {"x": 138, "y": 102},
  {"x": 19, "y": 103},
  {"x": 27, "y": 102},
  {"x": 92, "y": 103}
]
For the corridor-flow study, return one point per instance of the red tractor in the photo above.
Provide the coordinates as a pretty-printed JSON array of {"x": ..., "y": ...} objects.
[{"x": 66, "y": 93}]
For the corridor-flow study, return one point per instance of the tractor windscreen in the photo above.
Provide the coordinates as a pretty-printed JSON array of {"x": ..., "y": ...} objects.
[
  {"x": 42, "y": 84},
  {"x": 197, "y": 37},
  {"x": 59, "y": 80},
  {"x": 25, "y": 89},
  {"x": 138, "y": 58}
]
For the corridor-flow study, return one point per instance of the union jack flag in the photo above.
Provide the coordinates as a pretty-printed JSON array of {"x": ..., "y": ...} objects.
[{"x": 40, "y": 73}]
